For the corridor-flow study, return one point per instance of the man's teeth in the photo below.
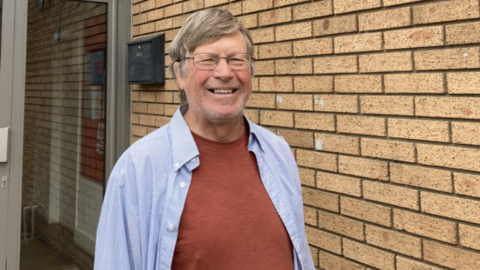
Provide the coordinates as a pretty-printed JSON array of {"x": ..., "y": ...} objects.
[{"x": 222, "y": 91}]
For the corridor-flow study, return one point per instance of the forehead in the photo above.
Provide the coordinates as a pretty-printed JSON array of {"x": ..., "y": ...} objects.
[{"x": 234, "y": 42}]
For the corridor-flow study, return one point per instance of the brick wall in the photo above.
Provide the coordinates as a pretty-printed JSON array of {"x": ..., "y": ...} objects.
[{"x": 380, "y": 102}]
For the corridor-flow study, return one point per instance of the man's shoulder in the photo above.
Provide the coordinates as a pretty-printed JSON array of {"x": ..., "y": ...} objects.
[
  {"x": 266, "y": 136},
  {"x": 157, "y": 140}
]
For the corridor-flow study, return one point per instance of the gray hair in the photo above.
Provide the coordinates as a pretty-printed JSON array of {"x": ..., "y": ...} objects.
[{"x": 204, "y": 26}]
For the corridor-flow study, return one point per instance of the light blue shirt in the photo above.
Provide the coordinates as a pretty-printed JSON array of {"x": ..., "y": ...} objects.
[{"x": 147, "y": 189}]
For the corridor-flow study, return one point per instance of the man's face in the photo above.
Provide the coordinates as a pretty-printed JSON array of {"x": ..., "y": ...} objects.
[{"x": 219, "y": 95}]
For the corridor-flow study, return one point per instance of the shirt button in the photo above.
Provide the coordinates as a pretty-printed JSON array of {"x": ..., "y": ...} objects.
[
  {"x": 182, "y": 184},
  {"x": 177, "y": 165},
  {"x": 171, "y": 227}
]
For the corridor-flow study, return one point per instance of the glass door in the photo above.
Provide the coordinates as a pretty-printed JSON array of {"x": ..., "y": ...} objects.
[{"x": 64, "y": 141}]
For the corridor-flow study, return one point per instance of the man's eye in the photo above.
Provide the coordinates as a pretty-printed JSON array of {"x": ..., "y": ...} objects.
[{"x": 206, "y": 61}]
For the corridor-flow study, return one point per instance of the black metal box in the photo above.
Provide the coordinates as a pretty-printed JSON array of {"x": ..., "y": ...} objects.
[{"x": 146, "y": 60}]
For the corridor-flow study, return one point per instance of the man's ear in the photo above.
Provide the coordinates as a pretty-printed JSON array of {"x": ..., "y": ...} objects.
[{"x": 178, "y": 76}]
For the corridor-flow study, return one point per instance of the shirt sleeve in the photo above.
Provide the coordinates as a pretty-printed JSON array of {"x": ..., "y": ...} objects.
[{"x": 118, "y": 240}]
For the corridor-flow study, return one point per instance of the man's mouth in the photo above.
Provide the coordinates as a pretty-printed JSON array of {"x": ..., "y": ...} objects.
[{"x": 222, "y": 91}]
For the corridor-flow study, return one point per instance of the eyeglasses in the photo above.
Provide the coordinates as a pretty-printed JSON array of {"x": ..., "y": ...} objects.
[{"x": 208, "y": 61}]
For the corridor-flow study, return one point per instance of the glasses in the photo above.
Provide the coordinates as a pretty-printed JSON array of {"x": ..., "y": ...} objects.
[{"x": 207, "y": 61}]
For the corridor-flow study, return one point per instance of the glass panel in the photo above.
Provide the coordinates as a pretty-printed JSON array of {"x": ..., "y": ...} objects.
[{"x": 63, "y": 159}]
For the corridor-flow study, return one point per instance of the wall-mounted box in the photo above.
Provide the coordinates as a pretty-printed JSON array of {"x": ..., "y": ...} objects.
[{"x": 146, "y": 60}]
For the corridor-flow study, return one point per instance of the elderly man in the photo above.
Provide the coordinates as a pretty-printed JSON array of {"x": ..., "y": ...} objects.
[{"x": 210, "y": 190}]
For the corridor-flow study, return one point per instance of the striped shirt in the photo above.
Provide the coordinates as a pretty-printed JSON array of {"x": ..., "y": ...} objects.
[{"x": 148, "y": 187}]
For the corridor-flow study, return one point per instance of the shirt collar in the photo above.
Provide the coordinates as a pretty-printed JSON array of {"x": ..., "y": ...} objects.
[{"x": 183, "y": 144}]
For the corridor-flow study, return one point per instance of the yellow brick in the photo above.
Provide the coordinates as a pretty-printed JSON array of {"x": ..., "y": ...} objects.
[
  {"x": 341, "y": 225},
  {"x": 307, "y": 176},
  {"x": 385, "y": 19},
  {"x": 139, "y": 130},
  {"x": 440, "y": 180},
  {"x": 192, "y": 5},
  {"x": 467, "y": 184},
  {"x": 234, "y": 8},
  {"x": 313, "y": 84},
  {"x": 448, "y": 156},
  {"x": 426, "y": 130},
  {"x": 295, "y": 66},
  {"x": 138, "y": 107},
  {"x": 368, "y": 255},
  {"x": 335, "y": 25},
  {"x": 361, "y": 125},
  {"x": 252, "y": 115},
  {"x": 173, "y": 10},
  {"x": 388, "y": 149},
  {"x": 276, "y": 84},
  {"x": 163, "y": 25},
  {"x": 463, "y": 82},
  {"x": 276, "y": 118},
  {"x": 275, "y": 50},
  {"x": 363, "y": 167},
  {"x": 139, "y": 19},
  {"x": 136, "y": 9},
  {"x": 313, "y": 47},
  {"x": 358, "y": 43},
  {"x": 147, "y": 5},
  {"x": 156, "y": 109},
  {"x": 451, "y": 257},
  {"x": 469, "y": 236},
  {"x": 414, "y": 83},
  {"x": 335, "y": 64},
  {"x": 339, "y": 184},
  {"x": 170, "y": 109},
  {"x": 407, "y": 264},
  {"x": 262, "y": 35},
  {"x": 256, "y": 5},
  {"x": 451, "y": 207},
  {"x": 342, "y": 6},
  {"x": 337, "y": 143},
  {"x": 258, "y": 100},
  {"x": 294, "y": 102},
  {"x": 458, "y": 58},
  {"x": 293, "y": 31},
  {"x": 425, "y": 226},
  {"x": 135, "y": 119},
  {"x": 329, "y": 261},
  {"x": 320, "y": 199},
  {"x": 385, "y": 62},
  {"x": 264, "y": 67},
  {"x": 324, "y": 240},
  {"x": 147, "y": 28},
  {"x": 178, "y": 21},
  {"x": 312, "y": 10},
  {"x": 315, "y": 121},
  {"x": 249, "y": 21},
  {"x": 393, "y": 105},
  {"x": 164, "y": 97},
  {"x": 445, "y": 11},
  {"x": 391, "y": 194},
  {"x": 275, "y": 16},
  {"x": 279, "y": 3},
  {"x": 358, "y": 84},
  {"x": 414, "y": 38},
  {"x": 336, "y": 103},
  {"x": 161, "y": 121},
  {"x": 367, "y": 211},
  {"x": 394, "y": 241},
  {"x": 317, "y": 160},
  {"x": 211, "y": 3},
  {"x": 399, "y": 2},
  {"x": 314, "y": 253},
  {"x": 161, "y": 3},
  {"x": 450, "y": 107},
  {"x": 466, "y": 133},
  {"x": 310, "y": 216},
  {"x": 147, "y": 97},
  {"x": 463, "y": 33}
]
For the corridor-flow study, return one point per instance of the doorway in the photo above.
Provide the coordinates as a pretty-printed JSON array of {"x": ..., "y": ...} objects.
[{"x": 68, "y": 118}]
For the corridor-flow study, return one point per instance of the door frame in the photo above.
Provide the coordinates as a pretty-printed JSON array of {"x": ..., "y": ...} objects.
[{"x": 12, "y": 98}]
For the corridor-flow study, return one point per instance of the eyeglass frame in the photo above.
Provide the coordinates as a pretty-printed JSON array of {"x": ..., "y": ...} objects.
[{"x": 218, "y": 60}]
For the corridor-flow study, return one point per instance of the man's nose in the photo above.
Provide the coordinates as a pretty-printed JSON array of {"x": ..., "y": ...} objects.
[{"x": 223, "y": 70}]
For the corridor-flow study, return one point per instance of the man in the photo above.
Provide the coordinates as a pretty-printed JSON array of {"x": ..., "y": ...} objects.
[{"x": 210, "y": 190}]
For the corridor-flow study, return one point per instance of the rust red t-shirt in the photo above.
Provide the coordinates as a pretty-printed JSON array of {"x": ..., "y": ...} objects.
[{"x": 229, "y": 221}]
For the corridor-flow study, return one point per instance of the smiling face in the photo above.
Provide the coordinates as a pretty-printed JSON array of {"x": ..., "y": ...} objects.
[{"x": 219, "y": 95}]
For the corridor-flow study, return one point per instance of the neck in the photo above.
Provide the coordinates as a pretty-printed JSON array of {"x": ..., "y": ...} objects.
[{"x": 222, "y": 131}]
